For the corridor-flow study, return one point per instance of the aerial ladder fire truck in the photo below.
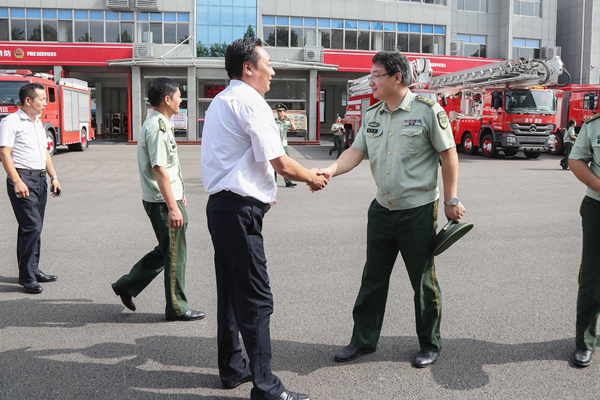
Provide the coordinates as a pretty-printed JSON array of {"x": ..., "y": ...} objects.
[{"x": 504, "y": 106}]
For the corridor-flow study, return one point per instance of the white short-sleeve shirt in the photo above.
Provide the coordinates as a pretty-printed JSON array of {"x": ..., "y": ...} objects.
[
  {"x": 27, "y": 139},
  {"x": 239, "y": 139}
]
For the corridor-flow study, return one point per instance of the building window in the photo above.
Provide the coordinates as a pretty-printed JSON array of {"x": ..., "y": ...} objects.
[
  {"x": 474, "y": 45},
  {"x": 472, "y": 5},
  {"x": 528, "y": 48},
  {"x": 530, "y": 8},
  {"x": 440, "y": 2},
  {"x": 353, "y": 34}
]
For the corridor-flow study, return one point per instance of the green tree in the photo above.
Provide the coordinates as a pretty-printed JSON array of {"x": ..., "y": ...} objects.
[
  {"x": 36, "y": 35},
  {"x": 202, "y": 50},
  {"x": 218, "y": 50},
  {"x": 125, "y": 37},
  {"x": 50, "y": 34},
  {"x": 249, "y": 32},
  {"x": 85, "y": 38},
  {"x": 17, "y": 34}
]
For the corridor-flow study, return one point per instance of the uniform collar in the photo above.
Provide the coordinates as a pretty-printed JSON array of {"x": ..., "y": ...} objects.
[
  {"x": 24, "y": 116},
  {"x": 406, "y": 104},
  {"x": 163, "y": 117}
]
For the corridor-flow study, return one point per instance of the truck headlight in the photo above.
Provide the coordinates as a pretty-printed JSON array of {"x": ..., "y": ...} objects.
[{"x": 511, "y": 140}]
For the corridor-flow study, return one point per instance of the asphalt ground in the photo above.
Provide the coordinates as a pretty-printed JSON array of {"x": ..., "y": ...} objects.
[{"x": 509, "y": 290}]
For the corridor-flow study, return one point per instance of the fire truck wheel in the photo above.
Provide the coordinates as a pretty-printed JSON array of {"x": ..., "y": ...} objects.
[
  {"x": 511, "y": 152},
  {"x": 468, "y": 144},
  {"x": 558, "y": 148},
  {"x": 488, "y": 147},
  {"x": 51, "y": 142},
  {"x": 83, "y": 142},
  {"x": 532, "y": 154}
]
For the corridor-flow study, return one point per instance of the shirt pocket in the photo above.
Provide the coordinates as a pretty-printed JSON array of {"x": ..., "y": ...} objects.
[
  {"x": 411, "y": 140},
  {"x": 374, "y": 139}
]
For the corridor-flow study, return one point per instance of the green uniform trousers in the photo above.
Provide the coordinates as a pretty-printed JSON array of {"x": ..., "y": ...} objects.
[
  {"x": 565, "y": 161},
  {"x": 410, "y": 232},
  {"x": 170, "y": 255},
  {"x": 287, "y": 181},
  {"x": 588, "y": 298}
]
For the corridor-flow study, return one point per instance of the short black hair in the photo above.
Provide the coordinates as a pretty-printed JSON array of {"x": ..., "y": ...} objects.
[
  {"x": 394, "y": 62},
  {"x": 572, "y": 122},
  {"x": 240, "y": 51},
  {"x": 30, "y": 90},
  {"x": 159, "y": 88}
]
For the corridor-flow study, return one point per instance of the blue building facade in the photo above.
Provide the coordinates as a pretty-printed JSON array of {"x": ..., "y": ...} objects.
[{"x": 222, "y": 21}]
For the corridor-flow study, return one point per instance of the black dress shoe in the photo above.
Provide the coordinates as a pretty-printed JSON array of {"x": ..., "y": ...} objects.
[
  {"x": 425, "y": 358},
  {"x": 42, "y": 277},
  {"x": 286, "y": 395},
  {"x": 127, "y": 299},
  {"x": 245, "y": 379},
  {"x": 290, "y": 184},
  {"x": 32, "y": 287},
  {"x": 190, "y": 315},
  {"x": 582, "y": 358},
  {"x": 350, "y": 353}
]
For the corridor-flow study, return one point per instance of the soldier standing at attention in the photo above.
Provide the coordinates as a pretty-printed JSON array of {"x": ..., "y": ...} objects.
[
  {"x": 284, "y": 123},
  {"x": 584, "y": 161},
  {"x": 164, "y": 200},
  {"x": 405, "y": 137},
  {"x": 338, "y": 133}
]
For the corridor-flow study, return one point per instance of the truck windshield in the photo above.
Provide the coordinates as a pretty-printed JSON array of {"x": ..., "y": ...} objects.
[
  {"x": 9, "y": 93},
  {"x": 530, "y": 102}
]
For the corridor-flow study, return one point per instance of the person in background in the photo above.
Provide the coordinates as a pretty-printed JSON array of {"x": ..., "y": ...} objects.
[
  {"x": 568, "y": 140},
  {"x": 284, "y": 123},
  {"x": 338, "y": 136}
]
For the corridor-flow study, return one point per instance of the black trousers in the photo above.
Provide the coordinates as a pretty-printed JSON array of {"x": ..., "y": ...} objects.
[
  {"x": 29, "y": 212},
  {"x": 245, "y": 302}
]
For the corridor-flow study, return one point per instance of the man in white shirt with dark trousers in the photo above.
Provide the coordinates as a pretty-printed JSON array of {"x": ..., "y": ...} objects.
[{"x": 241, "y": 149}]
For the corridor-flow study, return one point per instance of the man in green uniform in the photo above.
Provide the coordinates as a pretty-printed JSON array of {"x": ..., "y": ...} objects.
[
  {"x": 584, "y": 161},
  {"x": 338, "y": 132},
  {"x": 164, "y": 201},
  {"x": 284, "y": 123},
  {"x": 405, "y": 137},
  {"x": 568, "y": 140}
]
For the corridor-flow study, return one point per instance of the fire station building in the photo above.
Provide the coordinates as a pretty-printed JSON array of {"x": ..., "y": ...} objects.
[{"x": 117, "y": 46}]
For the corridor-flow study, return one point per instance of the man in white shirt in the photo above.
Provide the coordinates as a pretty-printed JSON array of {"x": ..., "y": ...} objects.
[
  {"x": 25, "y": 157},
  {"x": 241, "y": 149}
]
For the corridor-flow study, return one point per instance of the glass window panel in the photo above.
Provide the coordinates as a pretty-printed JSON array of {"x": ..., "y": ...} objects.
[
  {"x": 471, "y": 5},
  {"x": 269, "y": 35},
  {"x": 377, "y": 26},
  {"x": 65, "y": 14},
  {"x": 464, "y": 38},
  {"x": 337, "y": 39},
  {"x": 283, "y": 35},
  {"x": 441, "y": 30},
  {"x": 250, "y": 3},
  {"x": 324, "y": 38},
  {"x": 141, "y": 28},
  {"x": 17, "y": 12},
  {"x": 484, "y": 5},
  {"x": 439, "y": 45},
  {"x": 81, "y": 14},
  {"x": 34, "y": 13},
  {"x": 4, "y": 29},
  {"x": 324, "y": 23},
  {"x": 527, "y": 9},
  {"x": 402, "y": 27},
  {"x": 170, "y": 33},
  {"x": 427, "y": 28},
  {"x": 460, "y": 4},
  {"x": 283, "y": 21},
  {"x": 183, "y": 17},
  {"x": 388, "y": 26},
  {"x": 238, "y": 32},
  {"x": 155, "y": 16},
  {"x": 350, "y": 24},
  {"x": 226, "y": 16},
  {"x": 202, "y": 15},
  {"x": 414, "y": 43},
  {"x": 238, "y": 17},
  {"x": 478, "y": 39},
  {"x": 156, "y": 30},
  {"x": 143, "y": 16},
  {"x": 526, "y": 52},
  {"x": 50, "y": 29},
  {"x": 518, "y": 42},
  {"x": 214, "y": 13},
  {"x": 226, "y": 34},
  {"x": 97, "y": 15},
  {"x": 337, "y": 23},
  {"x": 415, "y": 28},
  {"x": 427, "y": 44},
  {"x": 376, "y": 41},
  {"x": 296, "y": 37},
  {"x": 532, "y": 43},
  {"x": 126, "y": 16},
  {"x": 483, "y": 51},
  {"x": 113, "y": 33},
  {"x": 34, "y": 30},
  {"x": 183, "y": 32},
  {"x": 126, "y": 35},
  {"x": 268, "y": 20},
  {"x": 296, "y": 21},
  {"x": 287, "y": 89},
  {"x": 310, "y": 22},
  {"x": 112, "y": 15},
  {"x": 310, "y": 37},
  {"x": 364, "y": 25},
  {"x": 363, "y": 40},
  {"x": 250, "y": 17},
  {"x": 82, "y": 33},
  {"x": 170, "y": 16},
  {"x": 17, "y": 31},
  {"x": 472, "y": 50},
  {"x": 3, "y": 12},
  {"x": 389, "y": 41},
  {"x": 350, "y": 40},
  {"x": 65, "y": 31},
  {"x": 96, "y": 31},
  {"x": 402, "y": 42}
]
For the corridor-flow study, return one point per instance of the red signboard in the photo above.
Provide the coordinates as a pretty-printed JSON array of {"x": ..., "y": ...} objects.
[
  {"x": 360, "y": 61},
  {"x": 212, "y": 91},
  {"x": 39, "y": 53}
]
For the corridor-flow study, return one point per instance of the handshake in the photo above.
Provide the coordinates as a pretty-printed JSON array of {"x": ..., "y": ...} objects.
[{"x": 320, "y": 178}]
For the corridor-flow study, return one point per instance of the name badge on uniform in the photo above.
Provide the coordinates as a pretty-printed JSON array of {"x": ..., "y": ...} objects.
[
  {"x": 412, "y": 122},
  {"x": 372, "y": 130}
]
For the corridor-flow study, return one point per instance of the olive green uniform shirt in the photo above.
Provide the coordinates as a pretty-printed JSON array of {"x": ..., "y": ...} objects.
[
  {"x": 568, "y": 133},
  {"x": 283, "y": 128},
  {"x": 403, "y": 147},
  {"x": 335, "y": 128},
  {"x": 587, "y": 148},
  {"x": 157, "y": 147}
]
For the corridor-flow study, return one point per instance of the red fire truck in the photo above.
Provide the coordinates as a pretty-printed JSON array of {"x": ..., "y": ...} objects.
[{"x": 68, "y": 114}]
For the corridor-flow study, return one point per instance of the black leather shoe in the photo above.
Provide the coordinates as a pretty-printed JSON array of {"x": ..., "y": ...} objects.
[
  {"x": 350, "y": 353},
  {"x": 190, "y": 315},
  {"x": 425, "y": 358},
  {"x": 582, "y": 358},
  {"x": 245, "y": 379},
  {"x": 290, "y": 184},
  {"x": 125, "y": 298},
  {"x": 32, "y": 287},
  {"x": 42, "y": 277},
  {"x": 286, "y": 395}
]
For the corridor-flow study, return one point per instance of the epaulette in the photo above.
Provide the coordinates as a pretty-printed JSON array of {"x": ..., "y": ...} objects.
[
  {"x": 425, "y": 100},
  {"x": 593, "y": 117},
  {"x": 375, "y": 105},
  {"x": 161, "y": 125}
]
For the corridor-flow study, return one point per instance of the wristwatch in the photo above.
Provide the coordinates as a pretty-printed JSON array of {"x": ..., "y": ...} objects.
[
  {"x": 53, "y": 177},
  {"x": 453, "y": 202}
]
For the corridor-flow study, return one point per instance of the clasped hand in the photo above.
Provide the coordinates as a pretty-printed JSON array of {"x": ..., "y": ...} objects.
[{"x": 318, "y": 182}]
